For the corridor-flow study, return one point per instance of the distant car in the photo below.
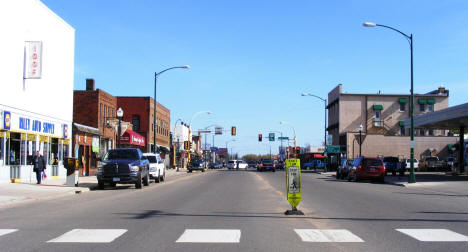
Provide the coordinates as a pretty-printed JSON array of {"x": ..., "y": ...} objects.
[
  {"x": 265, "y": 165},
  {"x": 157, "y": 168},
  {"x": 252, "y": 164},
  {"x": 216, "y": 165},
  {"x": 408, "y": 164},
  {"x": 393, "y": 165},
  {"x": 196, "y": 164},
  {"x": 241, "y": 164},
  {"x": 367, "y": 168},
  {"x": 231, "y": 164},
  {"x": 123, "y": 166},
  {"x": 280, "y": 165},
  {"x": 343, "y": 168}
]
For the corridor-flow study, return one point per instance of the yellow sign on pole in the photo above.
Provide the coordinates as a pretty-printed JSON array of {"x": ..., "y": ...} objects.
[{"x": 293, "y": 182}]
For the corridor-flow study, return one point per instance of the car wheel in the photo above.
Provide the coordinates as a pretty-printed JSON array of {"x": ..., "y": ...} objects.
[
  {"x": 163, "y": 176},
  {"x": 381, "y": 179},
  {"x": 146, "y": 180},
  {"x": 113, "y": 184},
  {"x": 138, "y": 183},
  {"x": 157, "y": 179},
  {"x": 349, "y": 177},
  {"x": 338, "y": 175},
  {"x": 190, "y": 171},
  {"x": 273, "y": 170},
  {"x": 203, "y": 170},
  {"x": 355, "y": 177},
  {"x": 402, "y": 173},
  {"x": 393, "y": 173},
  {"x": 101, "y": 184}
]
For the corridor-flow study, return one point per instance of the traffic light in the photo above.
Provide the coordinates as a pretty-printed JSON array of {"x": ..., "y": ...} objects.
[
  {"x": 233, "y": 130},
  {"x": 186, "y": 145},
  {"x": 259, "y": 137}
]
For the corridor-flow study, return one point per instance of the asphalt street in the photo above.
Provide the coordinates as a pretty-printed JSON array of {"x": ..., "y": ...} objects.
[{"x": 225, "y": 211}]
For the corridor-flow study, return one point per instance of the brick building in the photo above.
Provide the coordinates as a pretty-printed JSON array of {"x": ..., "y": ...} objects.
[
  {"x": 139, "y": 112},
  {"x": 94, "y": 108},
  {"x": 382, "y": 118}
]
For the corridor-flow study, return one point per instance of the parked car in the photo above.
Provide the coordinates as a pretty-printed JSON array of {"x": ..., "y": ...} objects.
[
  {"x": 266, "y": 164},
  {"x": 367, "y": 168},
  {"x": 343, "y": 168},
  {"x": 252, "y": 164},
  {"x": 123, "y": 166},
  {"x": 241, "y": 164},
  {"x": 432, "y": 164},
  {"x": 196, "y": 164},
  {"x": 216, "y": 165},
  {"x": 393, "y": 165},
  {"x": 408, "y": 164},
  {"x": 231, "y": 164},
  {"x": 157, "y": 169}
]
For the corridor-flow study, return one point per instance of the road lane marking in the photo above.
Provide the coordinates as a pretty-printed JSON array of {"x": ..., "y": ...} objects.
[
  {"x": 434, "y": 235},
  {"x": 210, "y": 236},
  {"x": 7, "y": 231},
  {"x": 327, "y": 235},
  {"x": 90, "y": 235}
]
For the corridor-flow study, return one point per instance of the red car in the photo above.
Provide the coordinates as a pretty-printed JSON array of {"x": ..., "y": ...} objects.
[{"x": 367, "y": 168}]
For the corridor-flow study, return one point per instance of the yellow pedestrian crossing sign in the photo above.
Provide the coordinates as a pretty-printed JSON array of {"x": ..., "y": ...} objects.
[{"x": 293, "y": 181}]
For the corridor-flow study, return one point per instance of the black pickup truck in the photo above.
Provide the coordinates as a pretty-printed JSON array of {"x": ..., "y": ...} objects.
[{"x": 123, "y": 166}]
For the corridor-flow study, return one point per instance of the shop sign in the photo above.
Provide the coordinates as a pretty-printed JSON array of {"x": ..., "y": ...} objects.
[
  {"x": 33, "y": 60},
  {"x": 6, "y": 120},
  {"x": 95, "y": 144},
  {"x": 65, "y": 130}
]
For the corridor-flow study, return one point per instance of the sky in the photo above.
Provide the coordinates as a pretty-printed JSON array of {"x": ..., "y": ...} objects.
[{"x": 251, "y": 60}]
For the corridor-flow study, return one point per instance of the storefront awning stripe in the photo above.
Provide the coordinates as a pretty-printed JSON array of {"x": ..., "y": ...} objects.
[{"x": 133, "y": 138}]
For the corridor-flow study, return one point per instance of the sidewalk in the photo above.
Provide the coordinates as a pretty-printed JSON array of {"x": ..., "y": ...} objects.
[
  {"x": 427, "y": 179},
  {"x": 15, "y": 193}
]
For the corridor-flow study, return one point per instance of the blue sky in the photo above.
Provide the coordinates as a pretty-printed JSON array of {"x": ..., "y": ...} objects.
[{"x": 251, "y": 60}]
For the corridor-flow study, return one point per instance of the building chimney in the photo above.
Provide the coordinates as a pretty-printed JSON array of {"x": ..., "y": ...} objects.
[
  {"x": 89, "y": 84},
  {"x": 441, "y": 90}
]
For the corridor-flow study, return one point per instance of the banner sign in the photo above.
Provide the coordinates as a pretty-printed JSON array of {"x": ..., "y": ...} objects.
[
  {"x": 33, "y": 60},
  {"x": 95, "y": 144},
  {"x": 293, "y": 181}
]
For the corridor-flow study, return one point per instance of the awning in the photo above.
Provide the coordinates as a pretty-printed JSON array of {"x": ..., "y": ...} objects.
[
  {"x": 377, "y": 107},
  {"x": 163, "y": 149},
  {"x": 87, "y": 129},
  {"x": 318, "y": 156},
  {"x": 131, "y": 137},
  {"x": 422, "y": 101},
  {"x": 403, "y": 100}
]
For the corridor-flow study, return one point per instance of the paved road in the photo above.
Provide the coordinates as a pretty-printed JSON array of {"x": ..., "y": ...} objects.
[{"x": 239, "y": 211}]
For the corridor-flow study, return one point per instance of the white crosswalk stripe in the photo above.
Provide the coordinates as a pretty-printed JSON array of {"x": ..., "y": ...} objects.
[
  {"x": 210, "y": 236},
  {"x": 90, "y": 235},
  {"x": 434, "y": 235},
  {"x": 7, "y": 231},
  {"x": 327, "y": 235}
]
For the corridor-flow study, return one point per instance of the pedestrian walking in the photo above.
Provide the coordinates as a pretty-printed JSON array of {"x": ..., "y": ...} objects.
[{"x": 39, "y": 166}]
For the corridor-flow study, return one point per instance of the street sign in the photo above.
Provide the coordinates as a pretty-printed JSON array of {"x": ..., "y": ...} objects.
[
  {"x": 283, "y": 138},
  {"x": 293, "y": 182},
  {"x": 214, "y": 149},
  {"x": 218, "y": 130},
  {"x": 271, "y": 137},
  {"x": 332, "y": 149}
]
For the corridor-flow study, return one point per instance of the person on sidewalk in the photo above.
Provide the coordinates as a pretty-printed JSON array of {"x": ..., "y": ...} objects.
[{"x": 39, "y": 166}]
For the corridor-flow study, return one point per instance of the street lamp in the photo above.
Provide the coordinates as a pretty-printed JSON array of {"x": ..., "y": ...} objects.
[
  {"x": 412, "y": 178},
  {"x": 294, "y": 130},
  {"x": 175, "y": 146},
  {"x": 324, "y": 124},
  {"x": 190, "y": 127},
  {"x": 155, "y": 127},
  {"x": 232, "y": 140},
  {"x": 360, "y": 139},
  {"x": 120, "y": 116}
]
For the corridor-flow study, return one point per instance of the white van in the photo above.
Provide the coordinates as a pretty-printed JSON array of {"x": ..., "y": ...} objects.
[
  {"x": 157, "y": 168},
  {"x": 234, "y": 164}
]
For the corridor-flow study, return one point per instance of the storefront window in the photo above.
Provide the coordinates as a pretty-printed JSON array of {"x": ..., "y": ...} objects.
[
  {"x": 54, "y": 147},
  {"x": 14, "y": 149},
  {"x": 23, "y": 149},
  {"x": 2, "y": 147},
  {"x": 45, "y": 151}
]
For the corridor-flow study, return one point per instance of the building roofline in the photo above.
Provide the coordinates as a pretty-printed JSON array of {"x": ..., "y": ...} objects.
[{"x": 425, "y": 95}]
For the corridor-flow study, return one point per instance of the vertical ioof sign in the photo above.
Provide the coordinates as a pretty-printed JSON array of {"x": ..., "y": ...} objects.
[
  {"x": 33, "y": 60},
  {"x": 293, "y": 181}
]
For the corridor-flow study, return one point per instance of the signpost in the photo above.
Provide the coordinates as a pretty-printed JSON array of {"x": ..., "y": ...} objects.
[
  {"x": 283, "y": 138},
  {"x": 293, "y": 185},
  {"x": 332, "y": 149},
  {"x": 271, "y": 137}
]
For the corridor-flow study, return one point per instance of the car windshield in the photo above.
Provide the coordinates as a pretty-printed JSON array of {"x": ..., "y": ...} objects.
[
  {"x": 431, "y": 159},
  {"x": 152, "y": 159},
  {"x": 267, "y": 161},
  {"x": 121, "y": 154},
  {"x": 231, "y": 162},
  {"x": 390, "y": 159},
  {"x": 372, "y": 162}
]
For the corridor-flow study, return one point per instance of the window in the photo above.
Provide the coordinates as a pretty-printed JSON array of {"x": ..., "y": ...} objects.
[
  {"x": 430, "y": 132},
  {"x": 136, "y": 122},
  {"x": 402, "y": 130},
  {"x": 422, "y": 107},
  {"x": 421, "y": 132},
  {"x": 430, "y": 107},
  {"x": 402, "y": 107}
]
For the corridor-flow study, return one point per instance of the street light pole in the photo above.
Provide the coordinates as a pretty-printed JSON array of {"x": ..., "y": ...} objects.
[
  {"x": 412, "y": 178},
  {"x": 190, "y": 128},
  {"x": 324, "y": 127},
  {"x": 360, "y": 139},
  {"x": 119, "y": 115},
  {"x": 155, "y": 127},
  {"x": 294, "y": 130}
]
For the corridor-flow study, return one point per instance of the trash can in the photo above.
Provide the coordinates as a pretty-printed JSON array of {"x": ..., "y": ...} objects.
[{"x": 71, "y": 164}]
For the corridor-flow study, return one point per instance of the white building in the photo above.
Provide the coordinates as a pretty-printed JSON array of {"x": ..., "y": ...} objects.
[
  {"x": 36, "y": 98},
  {"x": 180, "y": 134}
]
